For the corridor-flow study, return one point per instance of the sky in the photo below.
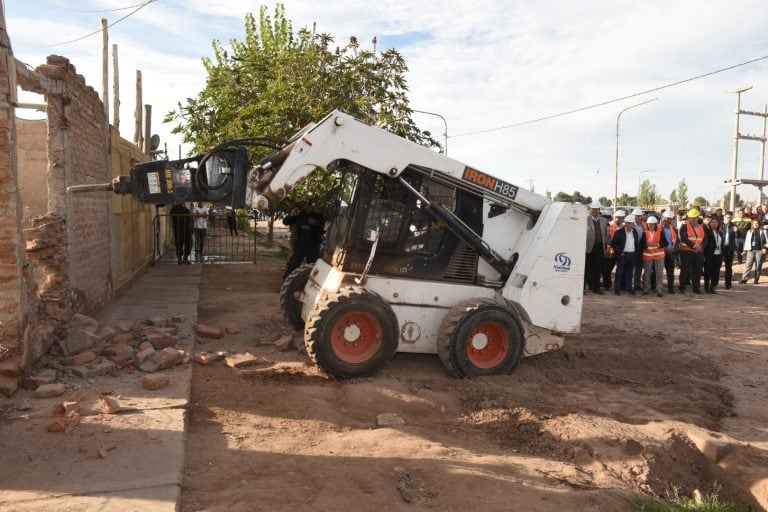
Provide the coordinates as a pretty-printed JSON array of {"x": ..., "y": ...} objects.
[{"x": 482, "y": 65}]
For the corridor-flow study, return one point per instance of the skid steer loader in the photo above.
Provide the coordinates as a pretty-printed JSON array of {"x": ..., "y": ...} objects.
[{"x": 423, "y": 254}]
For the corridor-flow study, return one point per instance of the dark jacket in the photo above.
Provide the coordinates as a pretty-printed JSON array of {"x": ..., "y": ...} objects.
[
  {"x": 620, "y": 238},
  {"x": 310, "y": 228},
  {"x": 734, "y": 234},
  {"x": 682, "y": 235},
  {"x": 709, "y": 248}
]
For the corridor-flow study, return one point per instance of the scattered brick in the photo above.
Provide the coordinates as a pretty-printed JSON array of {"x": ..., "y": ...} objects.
[
  {"x": 231, "y": 329},
  {"x": 83, "y": 448},
  {"x": 84, "y": 322},
  {"x": 57, "y": 425},
  {"x": 145, "y": 345},
  {"x": 109, "y": 405},
  {"x": 168, "y": 358},
  {"x": 126, "y": 337},
  {"x": 10, "y": 368},
  {"x": 208, "y": 331},
  {"x": 155, "y": 381},
  {"x": 82, "y": 358},
  {"x": 159, "y": 340},
  {"x": 77, "y": 340},
  {"x": 47, "y": 376},
  {"x": 244, "y": 360},
  {"x": 205, "y": 358},
  {"x": 158, "y": 321},
  {"x": 105, "y": 390},
  {"x": 103, "y": 452},
  {"x": 49, "y": 390},
  {"x": 284, "y": 343},
  {"x": 125, "y": 326}
]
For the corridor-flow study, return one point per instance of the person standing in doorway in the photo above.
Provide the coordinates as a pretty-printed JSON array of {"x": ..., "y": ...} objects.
[
  {"x": 200, "y": 215},
  {"x": 181, "y": 222}
]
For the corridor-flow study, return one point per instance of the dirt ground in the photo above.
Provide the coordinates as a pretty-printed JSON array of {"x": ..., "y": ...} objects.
[{"x": 611, "y": 414}]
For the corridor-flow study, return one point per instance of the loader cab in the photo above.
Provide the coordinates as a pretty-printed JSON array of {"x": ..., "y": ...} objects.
[{"x": 412, "y": 243}]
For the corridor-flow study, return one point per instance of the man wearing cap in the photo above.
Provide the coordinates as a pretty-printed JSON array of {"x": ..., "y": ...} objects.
[
  {"x": 671, "y": 250},
  {"x": 640, "y": 228},
  {"x": 597, "y": 237},
  {"x": 609, "y": 261},
  {"x": 653, "y": 256},
  {"x": 625, "y": 243},
  {"x": 692, "y": 242}
]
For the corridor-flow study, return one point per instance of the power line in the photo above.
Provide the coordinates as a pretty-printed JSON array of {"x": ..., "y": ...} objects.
[
  {"x": 141, "y": 6},
  {"x": 561, "y": 114},
  {"x": 94, "y": 11}
]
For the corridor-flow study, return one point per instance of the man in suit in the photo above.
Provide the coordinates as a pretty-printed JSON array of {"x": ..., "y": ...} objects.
[
  {"x": 671, "y": 250},
  {"x": 597, "y": 237},
  {"x": 625, "y": 244}
]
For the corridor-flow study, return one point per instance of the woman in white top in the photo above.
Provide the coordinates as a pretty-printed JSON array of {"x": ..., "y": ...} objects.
[{"x": 755, "y": 244}]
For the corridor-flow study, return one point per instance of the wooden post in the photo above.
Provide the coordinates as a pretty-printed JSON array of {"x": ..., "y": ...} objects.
[
  {"x": 105, "y": 68},
  {"x": 138, "y": 134},
  {"x": 147, "y": 128},
  {"x": 115, "y": 90}
]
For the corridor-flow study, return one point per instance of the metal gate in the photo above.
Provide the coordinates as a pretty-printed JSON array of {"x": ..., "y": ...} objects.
[{"x": 225, "y": 239}]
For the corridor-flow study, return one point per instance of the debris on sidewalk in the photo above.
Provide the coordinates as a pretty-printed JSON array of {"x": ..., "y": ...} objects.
[
  {"x": 208, "y": 331},
  {"x": 155, "y": 381},
  {"x": 244, "y": 360},
  {"x": 206, "y": 358},
  {"x": 47, "y": 376},
  {"x": 49, "y": 390},
  {"x": 109, "y": 405},
  {"x": 285, "y": 343}
]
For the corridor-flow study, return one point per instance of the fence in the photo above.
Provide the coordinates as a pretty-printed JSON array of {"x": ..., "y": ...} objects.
[{"x": 224, "y": 239}]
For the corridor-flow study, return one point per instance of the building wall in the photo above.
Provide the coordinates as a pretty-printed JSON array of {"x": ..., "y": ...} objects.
[{"x": 32, "y": 156}]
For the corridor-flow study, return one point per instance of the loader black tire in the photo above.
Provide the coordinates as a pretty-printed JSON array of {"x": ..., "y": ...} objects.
[
  {"x": 295, "y": 282},
  {"x": 497, "y": 334},
  {"x": 351, "y": 333}
]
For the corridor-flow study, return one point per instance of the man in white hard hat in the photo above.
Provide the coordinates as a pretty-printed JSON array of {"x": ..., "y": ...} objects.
[
  {"x": 670, "y": 251},
  {"x": 653, "y": 245},
  {"x": 597, "y": 237},
  {"x": 625, "y": 243},
  {"x": 609, "y": 261}
]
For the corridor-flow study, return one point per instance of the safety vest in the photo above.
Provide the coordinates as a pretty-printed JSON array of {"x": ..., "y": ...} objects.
[
  {"x": 653, "y": 237},
  {"x": 673, "y": 235},
  {"x": 611, "y": 231},
  {"x": 695, "y": 235}
]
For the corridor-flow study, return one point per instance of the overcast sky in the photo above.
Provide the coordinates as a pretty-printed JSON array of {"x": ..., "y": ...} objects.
[{"x": 483, "y": 64}]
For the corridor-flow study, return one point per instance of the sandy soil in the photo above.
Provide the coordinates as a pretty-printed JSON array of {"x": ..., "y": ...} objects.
[{"x": 580, "y": 429}]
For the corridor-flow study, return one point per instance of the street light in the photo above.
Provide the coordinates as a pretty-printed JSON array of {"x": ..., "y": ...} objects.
[
  {"x": 616, "y": 176},
  {"x": 445, "y": 134},
  {"x": 639, "y": 184}
]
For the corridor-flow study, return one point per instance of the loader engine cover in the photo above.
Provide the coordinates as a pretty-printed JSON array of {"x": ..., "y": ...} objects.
[{"x": 219, "y": 180}]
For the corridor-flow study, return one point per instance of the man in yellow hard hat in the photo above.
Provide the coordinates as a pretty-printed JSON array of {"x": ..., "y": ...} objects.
[{"x": 692, "y": 241}]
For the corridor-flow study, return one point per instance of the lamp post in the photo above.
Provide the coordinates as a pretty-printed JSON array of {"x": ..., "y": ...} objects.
[
  {"x": 639, "y": 184},
  {"x": 445, "y": 123},
  {"x": 616, "y": 176}
]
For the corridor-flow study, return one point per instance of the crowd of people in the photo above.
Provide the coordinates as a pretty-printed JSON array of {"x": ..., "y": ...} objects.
[{"x": 635, "y": 251}]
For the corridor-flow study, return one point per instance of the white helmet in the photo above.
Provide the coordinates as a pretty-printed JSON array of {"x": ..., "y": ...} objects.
[
  {"x": 630, "y": 219},
  {"x": 595, "y": 205},
  {"x": 668, "y": 214},
  {"x": 637, "y": 211},
  {"x": 620, "y": 213},
  {"x": 652, "y": 220}
]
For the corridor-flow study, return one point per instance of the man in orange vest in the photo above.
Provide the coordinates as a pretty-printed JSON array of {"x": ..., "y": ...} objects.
[
  {"x": 653, "y": 255},
  {"x": 692, "y": 242},
  {"x": 671, "y": 250}
]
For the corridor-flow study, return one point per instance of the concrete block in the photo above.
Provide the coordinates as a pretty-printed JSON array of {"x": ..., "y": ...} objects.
[
  {"x": 155, "y": 381},
  {"x": 94, "y": 369},
  {"x": 49, "y": 390},
  {"x": 208, "y": 331}
]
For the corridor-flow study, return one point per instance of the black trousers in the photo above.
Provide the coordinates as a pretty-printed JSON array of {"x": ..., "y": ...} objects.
[
  {"x": 712, "y": 264},
  {"x": 691, "y": 267},
  {"x": 298, "y": 256},
  {"x": 609, "y": 262},
  {"x": 182, "y": 239},
  {"x": 594, "y": 267},
  {"x": 728, "y": 261},
  {"x": 669, "y": 266}
]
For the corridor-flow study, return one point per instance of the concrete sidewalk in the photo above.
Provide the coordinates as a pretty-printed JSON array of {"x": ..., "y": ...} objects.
[{"x": 143, "y": 444}]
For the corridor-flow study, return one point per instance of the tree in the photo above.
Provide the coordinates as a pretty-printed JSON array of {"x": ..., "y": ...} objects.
[
  {"x": 673, "y": 197},
  {"x": 701, "y": 201},
  {"x": 682, "y": 193},
  {"x": 562, "y": 196},
  {"x": 627, "y": 200},
  {"x": 727, "y": 199},
  {"x": 647, "y": 195},
  {"x": 276, "y": 81},
  {"x": 604, "y": 201}
]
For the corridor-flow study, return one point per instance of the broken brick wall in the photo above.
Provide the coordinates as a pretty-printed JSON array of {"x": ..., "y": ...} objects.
[{"x": 78, "y": 154}]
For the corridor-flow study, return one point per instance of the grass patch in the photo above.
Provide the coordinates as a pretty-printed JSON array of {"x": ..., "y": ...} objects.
[{"x": 674, "y": 502}]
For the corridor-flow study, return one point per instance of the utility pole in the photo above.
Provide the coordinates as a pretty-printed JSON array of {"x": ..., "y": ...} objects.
[
  {"x": 115, "y": 90},
  {"x": 105, "y": 68},
  {"x": 138, "y": 136},
  {"x": 734, "y": 181}
]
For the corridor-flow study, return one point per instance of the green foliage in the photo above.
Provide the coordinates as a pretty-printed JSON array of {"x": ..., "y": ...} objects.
[
  {"x": 673, "y": 197},
  {"x": 701, "y": 200},
  {"x": 674, "y": 502},
  {"x": 627, "y": 200},
  {"x": 576, "y": 197},
  {"x": 604, "y": 201},
  {"x": 682, "y": 193},
  {"x": 647, "y": 195},
  {"x": 727, "y": 199}
]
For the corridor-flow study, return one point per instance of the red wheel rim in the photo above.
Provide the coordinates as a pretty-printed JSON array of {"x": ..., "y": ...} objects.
[
  {"x": 488, "y": 345},
  {"x": 356, "y": 337}
]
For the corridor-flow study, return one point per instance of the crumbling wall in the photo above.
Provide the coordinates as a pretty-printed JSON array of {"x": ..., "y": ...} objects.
[
  {"x": 32, "y": 157},
  {"x": 78, "y": 154}
]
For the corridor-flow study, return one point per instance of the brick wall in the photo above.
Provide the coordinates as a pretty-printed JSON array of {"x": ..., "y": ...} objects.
[
  {"x": 78, "y": 154},
  {"x": 32, "y": 157}
]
